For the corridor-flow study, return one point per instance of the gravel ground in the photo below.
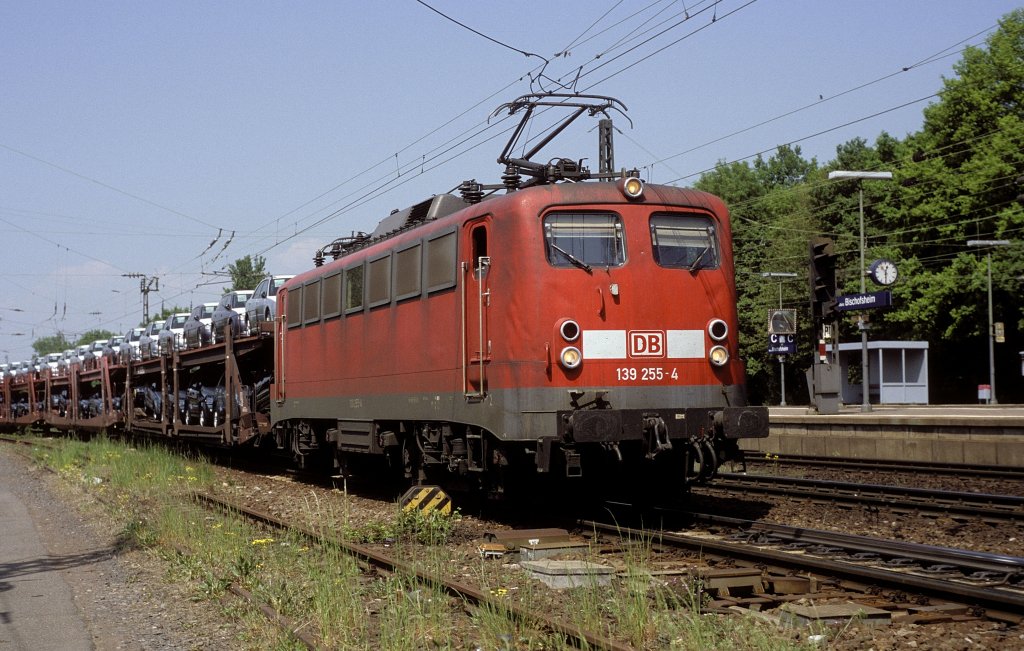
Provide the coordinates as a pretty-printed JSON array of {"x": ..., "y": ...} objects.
[
  {"x": 286, "y": 498},
  {"x": 129, "y": 602},
  {"x": 122, "y": 593}
]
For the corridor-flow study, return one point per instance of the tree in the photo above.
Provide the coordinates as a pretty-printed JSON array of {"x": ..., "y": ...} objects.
[
  {"x": 94, "y": 335},
  {"x": 960, "y": 178},
  {"x": 54, "y": 344},
  {"x": 770, "y": 207},
  {"x": 960, "y": 182},
  {"x": 247, "y": 272},
  {"x": 163, "y": 314}
]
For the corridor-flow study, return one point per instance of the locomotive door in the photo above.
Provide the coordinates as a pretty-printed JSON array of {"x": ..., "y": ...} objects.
[{"x": 476, "y": 299}]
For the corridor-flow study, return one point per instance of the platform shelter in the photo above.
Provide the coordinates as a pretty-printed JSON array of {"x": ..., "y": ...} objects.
[{"x": 898, "y": 372}]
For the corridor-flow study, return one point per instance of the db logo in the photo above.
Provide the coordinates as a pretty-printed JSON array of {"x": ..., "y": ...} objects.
[{"x": 646, "y": 343}]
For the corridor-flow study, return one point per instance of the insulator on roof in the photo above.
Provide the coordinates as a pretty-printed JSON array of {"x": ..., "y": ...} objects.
[{"x": 471, "y": 191}]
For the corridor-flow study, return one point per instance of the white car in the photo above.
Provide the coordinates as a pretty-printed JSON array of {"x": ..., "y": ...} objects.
[
  {"x": 113, "y": 348},
  {"x": 95, "y": 351},
  {"x": 64, "y": 363},
  {"x": 149, "y": 339},
  {"x": 81, "y": 354},
  {"x": 197, "y": 328},
  {"x": 130, "y": 344},
  {"x": 170, "y": 337},
  {"x": 263, "y": 304}
]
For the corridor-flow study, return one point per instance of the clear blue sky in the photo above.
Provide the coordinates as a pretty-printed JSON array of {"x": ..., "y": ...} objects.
[{"x": 131, "y": 132}]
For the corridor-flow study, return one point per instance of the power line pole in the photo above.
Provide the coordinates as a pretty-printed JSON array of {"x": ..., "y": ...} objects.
[{"x": 146, "y": 285}]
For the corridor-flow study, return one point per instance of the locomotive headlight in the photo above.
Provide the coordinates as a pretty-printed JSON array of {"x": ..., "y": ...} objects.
[
  {"x": 631, "y": 187},
  {"x": 718, "y": 329},
  {"x": 570, "y": 330},
  {"x": 718, "y": 355},
  {"x": 570, "y": 357}
]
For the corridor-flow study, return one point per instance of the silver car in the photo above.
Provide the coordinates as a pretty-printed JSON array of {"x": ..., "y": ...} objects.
[
  {"x": 170, "y": 337},
  {"x": 95, "y": 352},
  {"x": 230, "y": 312},
  {"x": 263, "y": 304},
  {"x": 52, "y": 360},
  {"x": 149, "y": 339},
  {"x": 64, "y": 363},
  {"x": 196, "y": 331},
  {"x": 113, "y": 348},
  {"x": 81, "y": 354},
  {"x": 130, "y": 345}
]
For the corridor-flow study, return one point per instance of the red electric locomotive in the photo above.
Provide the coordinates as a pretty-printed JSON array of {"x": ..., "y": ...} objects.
[{"x": 571, "y": 328}]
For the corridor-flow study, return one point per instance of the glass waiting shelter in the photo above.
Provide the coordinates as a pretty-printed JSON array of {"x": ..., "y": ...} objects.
[{"x": 901, "y": 365}]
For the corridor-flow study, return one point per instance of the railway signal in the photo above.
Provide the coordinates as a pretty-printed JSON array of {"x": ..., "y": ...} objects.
[
  {"x": 823, "y": 278},
  {"x": 823, "y": 377}
]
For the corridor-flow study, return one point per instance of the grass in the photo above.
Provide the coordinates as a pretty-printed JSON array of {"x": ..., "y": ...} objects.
[{"x": 328, "y": 593}]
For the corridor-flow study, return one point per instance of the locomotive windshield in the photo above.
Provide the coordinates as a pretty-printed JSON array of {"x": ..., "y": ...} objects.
[
  {"x": 584, "y": 239},
  {"x": 684, "y": 241}
]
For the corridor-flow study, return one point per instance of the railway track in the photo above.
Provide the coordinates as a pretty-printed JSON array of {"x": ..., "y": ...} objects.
[
  {"x": 992, "y": 583},
  {"x": 462, "y": 590},
  {"x": 956, "y": 504},
  {"x": 880, "y": 465}
]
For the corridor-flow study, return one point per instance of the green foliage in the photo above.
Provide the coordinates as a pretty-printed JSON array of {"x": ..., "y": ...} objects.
[
  {"x": 960, "y": 178},
  {"x": 772, "y": 217},
  {"x": 247, "y": 272},
  {"x": 431, "y": 528},
  {"x": 55, "y": 344},
  {"x": 163, "y": 314},
  {"x": 94, "y": 335}
]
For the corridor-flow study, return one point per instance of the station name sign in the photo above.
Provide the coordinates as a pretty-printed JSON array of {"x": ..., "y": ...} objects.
[
  {"x": 781, "y": 344},
  {"x": 864, "y": 301}
]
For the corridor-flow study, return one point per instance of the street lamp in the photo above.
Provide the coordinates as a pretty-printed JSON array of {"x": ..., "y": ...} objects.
[
  {"x": 991, "y": 330},
  {"x": 865, "y": 401},
  {"x": 782, "y": 358}
]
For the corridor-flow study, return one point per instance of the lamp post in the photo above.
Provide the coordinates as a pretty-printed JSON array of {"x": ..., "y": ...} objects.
[
  {"x": 782, "y": 358},
  {"x": 991, "y": 330},
  {"x": 865, "y": 401}
]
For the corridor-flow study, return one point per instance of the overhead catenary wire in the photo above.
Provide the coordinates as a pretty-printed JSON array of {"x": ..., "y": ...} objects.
[{"x": 363, "y": 199}]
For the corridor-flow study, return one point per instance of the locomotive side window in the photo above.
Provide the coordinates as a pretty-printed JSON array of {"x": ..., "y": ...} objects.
[
  {"x": 479, "y": 245},
  {"x": 575, "y": 239},
  {"x": 379, "y": 281},
  {"x": 330, "y": 299},
  {"x": 407, "y": 272},
  {"x": 295, "y": 307},
  {"x": 311, "y": 302},
  {"x": 686, "y": 241},
  {"x": 441, "y": 262},
  {"x": 353, "y": 289}
]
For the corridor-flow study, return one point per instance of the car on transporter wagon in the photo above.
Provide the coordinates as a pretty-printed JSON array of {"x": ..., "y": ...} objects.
[
  {"x": 149, "y": 339},
  {"x": 196, "y": 331},
  {"x": 172, "y": 332},
  {"x": 130, "y": 345},
  {"x": 230, "y": 311},
  {"x": 262, "y": 306}
]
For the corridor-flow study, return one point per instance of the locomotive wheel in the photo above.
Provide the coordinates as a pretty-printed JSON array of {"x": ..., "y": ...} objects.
[
  {"x": 695, "y": 463},
  {"x": 710, "y": 466},
  {"x": 412, "y": 465}
]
